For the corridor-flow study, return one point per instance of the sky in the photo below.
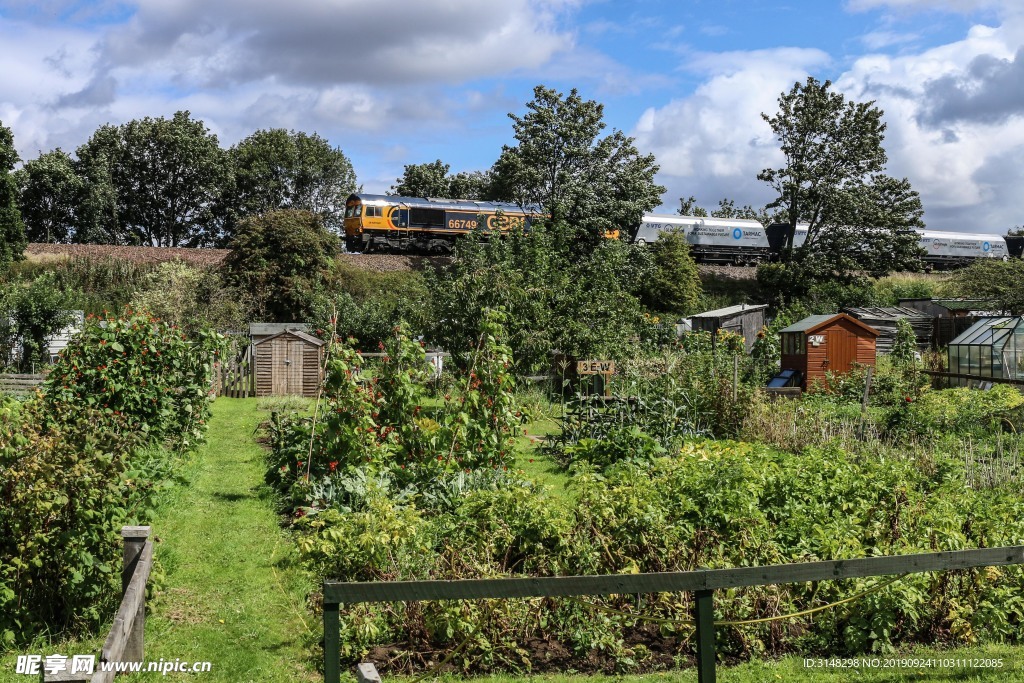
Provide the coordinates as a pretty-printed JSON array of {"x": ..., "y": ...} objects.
[{"x": 396, "y": 82}]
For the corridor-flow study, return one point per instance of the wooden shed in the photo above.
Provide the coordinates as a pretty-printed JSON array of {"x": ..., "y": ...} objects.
[
  {"x": 745, "y": 320},
  {"x": 826, "y": 343},
  {"x": 886, "y": 318},
  {"x": 288, "y": 363}
]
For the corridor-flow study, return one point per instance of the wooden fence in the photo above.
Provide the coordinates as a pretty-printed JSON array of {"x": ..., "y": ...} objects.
[
  {"x": 20, "y": 384},
  {"x": 702, "y": 583},
  {"x": 235, "y": 379},
  {"x": 125, "y": 641}
]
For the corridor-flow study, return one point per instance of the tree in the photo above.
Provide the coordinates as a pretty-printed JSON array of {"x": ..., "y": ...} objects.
[
  {"x": 12, "y": 230},
  {"x": 992, "y": 280},
  {"x": 830, "y": 146},
  {"x": 589, "y": 184},
  {"x": 277, "y": 259},
  {"x": 280, "y": 169},
  {"x": 37, "y": 310},
  {"x": 726, "y": 209},
  {"x": 423, "y": 180},
  {"x": 165, "y": 174},
  {"x": 858, "y": 219},
  {"x": 688, "y": 207},
  {"x": 50, "y": 195},
  {"x": 433, "y": 180},
  {"x": 673, "y": 286}
]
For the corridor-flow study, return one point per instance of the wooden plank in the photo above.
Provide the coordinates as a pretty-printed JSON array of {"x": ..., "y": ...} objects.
[
  {"x": 134, "y": 597},
  {"x": 703, "y": 579}
]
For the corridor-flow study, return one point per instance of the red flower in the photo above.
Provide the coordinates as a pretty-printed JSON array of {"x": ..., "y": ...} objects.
[{"x": 332, "y": 465}]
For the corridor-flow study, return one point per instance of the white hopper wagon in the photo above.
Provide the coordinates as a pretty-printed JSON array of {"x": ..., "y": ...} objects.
[{"x": 720, "y": 240}]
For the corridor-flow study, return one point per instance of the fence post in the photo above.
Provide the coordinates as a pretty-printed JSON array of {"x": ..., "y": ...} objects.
[
  {"x": 332, "y": 643},
  {"x": 134, "y": 541},
  {"x": 704, "y": 611}
]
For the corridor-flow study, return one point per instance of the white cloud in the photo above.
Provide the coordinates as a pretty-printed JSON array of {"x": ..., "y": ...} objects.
[
  {"x": 713, "y": 143},
  {"x": 953, "y": 113}
]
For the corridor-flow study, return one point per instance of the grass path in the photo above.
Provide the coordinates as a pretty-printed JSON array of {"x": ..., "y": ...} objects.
[{"x": 229, "y": 595}]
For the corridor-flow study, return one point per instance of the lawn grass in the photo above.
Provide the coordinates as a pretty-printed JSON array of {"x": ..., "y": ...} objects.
[{"x": 230, "y": 594}]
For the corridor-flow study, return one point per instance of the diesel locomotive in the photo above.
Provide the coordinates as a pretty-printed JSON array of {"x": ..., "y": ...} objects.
[{"x": 375, "y": 222}]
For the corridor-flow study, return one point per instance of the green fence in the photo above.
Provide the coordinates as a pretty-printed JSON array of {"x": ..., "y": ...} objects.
[{"x": 702, "y": 583}]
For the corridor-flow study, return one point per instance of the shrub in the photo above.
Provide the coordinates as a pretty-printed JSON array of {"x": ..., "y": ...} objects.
[{"x": 140, "y": 369}]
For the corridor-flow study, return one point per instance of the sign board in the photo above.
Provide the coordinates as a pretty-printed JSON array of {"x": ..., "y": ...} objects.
[
  {"x": 816, "y": 339},
  {"x": 595, "y": 367}
]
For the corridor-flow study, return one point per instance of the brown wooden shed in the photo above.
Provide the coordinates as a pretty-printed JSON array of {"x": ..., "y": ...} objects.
[
  {"x": 288, "y": 363},
  {"x": 745, "y": 320},
  {"x": 826, "y": 343}
]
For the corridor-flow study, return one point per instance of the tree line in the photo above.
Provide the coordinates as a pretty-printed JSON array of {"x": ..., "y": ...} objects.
[{"x": 165, "y": 182}]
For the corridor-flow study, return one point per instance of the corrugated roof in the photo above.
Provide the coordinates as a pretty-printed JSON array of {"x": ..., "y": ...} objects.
[
  {"x": 731, "y": 310},
  {"x": 885, "y": 312},
  {"x": 964, "y": 304},
  {"x": 812, "y": 322}
]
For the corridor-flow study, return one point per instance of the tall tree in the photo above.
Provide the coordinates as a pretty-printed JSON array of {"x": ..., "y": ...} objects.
[
  {"x": 423, "y": 180},
  {"x": 589, "y": 184},
  {"x": 833, "y": 181},
  {"x": 50, "y": 194},
  {"x": 280, "y": 169},
  {"x": 166, "y": 175},
  {"x": 433, "y": 180},
  {"x": 12, "y": 230}
]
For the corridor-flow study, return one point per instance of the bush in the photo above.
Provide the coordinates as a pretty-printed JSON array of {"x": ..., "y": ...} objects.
[
  {"x": 141, "y": 370},
  {"x": 278, "y": 259},
  {"x": 83, "y": 458}
]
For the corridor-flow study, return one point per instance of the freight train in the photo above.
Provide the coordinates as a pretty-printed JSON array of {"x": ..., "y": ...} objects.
[
  {"x": 426, "y": 225},
  {"x": 746, "y": 242},
  {"x": 376, "y": 222}
]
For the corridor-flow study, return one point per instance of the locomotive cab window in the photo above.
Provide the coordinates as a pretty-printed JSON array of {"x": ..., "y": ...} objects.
[{"x": 373, "y": 212}]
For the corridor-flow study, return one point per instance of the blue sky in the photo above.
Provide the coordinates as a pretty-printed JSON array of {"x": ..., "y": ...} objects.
[{"x": 395, "y": 82}]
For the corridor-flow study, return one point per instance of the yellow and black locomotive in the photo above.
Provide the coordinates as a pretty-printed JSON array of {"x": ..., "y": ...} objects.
[{"x": 385, "y": 223}]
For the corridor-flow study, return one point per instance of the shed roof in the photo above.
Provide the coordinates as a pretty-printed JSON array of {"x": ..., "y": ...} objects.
[
  {"x": 730, "y": 311},
  {"x": 814, "y": 322},
  {"x": 264, "y": 329},
  {"x": 964, "y": 304},
  {"x": 893, "y": 313},
  {"x": 293, "y": 333}
]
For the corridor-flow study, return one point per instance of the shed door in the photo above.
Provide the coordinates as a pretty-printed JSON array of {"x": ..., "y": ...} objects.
[
  {"x": 841, "y": 349},
  {"x": 286, "y": 377},
  {"x": 294, "y": 367}
]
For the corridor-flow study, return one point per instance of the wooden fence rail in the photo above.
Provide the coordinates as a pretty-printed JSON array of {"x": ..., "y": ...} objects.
[
  {"x": 701, "y": 582},
  {"x": 125, "y": 642},
  {"x": 20, "y": 383}
]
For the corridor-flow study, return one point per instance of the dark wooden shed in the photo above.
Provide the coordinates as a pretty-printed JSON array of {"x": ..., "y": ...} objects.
[
  {"x": 826, "y": 343},
  {"x": 885, "y": 319},
  {"x": 288, "y": 363},
  {"x": 745, "y": 320}
]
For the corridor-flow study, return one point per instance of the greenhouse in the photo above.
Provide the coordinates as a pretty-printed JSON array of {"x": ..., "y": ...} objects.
[{"x": 991, "y": 347}]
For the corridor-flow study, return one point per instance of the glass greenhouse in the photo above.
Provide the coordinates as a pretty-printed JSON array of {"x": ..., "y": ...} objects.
[{"x": 991, "y": 347}]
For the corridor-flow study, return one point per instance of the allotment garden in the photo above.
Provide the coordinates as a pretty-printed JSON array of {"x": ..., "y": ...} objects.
[{"x": 394, "y": 475}]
